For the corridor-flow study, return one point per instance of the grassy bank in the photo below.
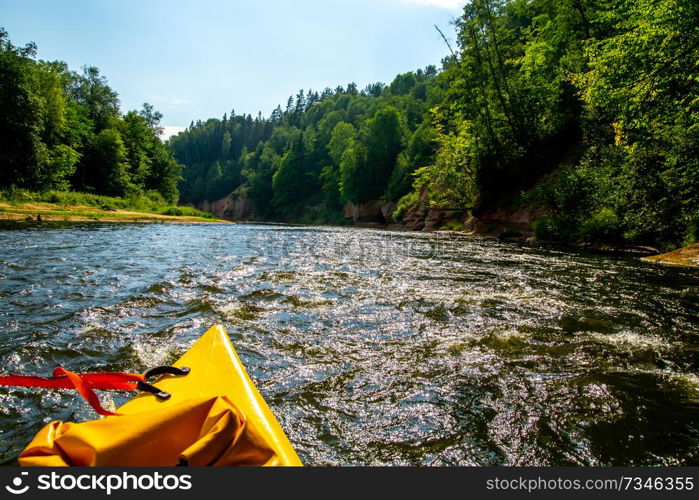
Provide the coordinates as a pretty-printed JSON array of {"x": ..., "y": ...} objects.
[{"x": 20, "y": 204}]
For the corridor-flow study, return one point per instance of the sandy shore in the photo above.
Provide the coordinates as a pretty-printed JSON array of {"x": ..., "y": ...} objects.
[{"x": 687, "y": 256}]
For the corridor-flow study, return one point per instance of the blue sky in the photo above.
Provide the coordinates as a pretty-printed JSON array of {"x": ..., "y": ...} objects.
[{"x": 198, "y": 59}]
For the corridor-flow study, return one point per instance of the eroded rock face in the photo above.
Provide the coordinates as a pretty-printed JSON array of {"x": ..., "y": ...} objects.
[
  {"x": 387, "y": 210},
  {"x": 437, "y": 217},
  {"x": 371, "y": 212},
  {"x": 414, "y": 219},
  {"x": 364, "y": 212},
  {"x": 496, "y": 220},
  {"x": 239, "y": 208},
  {"x": 432, "y": 219}
]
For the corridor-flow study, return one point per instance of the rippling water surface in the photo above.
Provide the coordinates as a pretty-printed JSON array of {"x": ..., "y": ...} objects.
[{"x": 371, "y": 347}]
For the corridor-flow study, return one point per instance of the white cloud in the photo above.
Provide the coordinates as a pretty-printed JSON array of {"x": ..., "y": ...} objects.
[
  {"x": 444, "y": 4},
  {"x": 170, "y": 130}
]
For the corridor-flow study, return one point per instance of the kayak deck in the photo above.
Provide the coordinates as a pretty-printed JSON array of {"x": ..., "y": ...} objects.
[{"x": 216, "y": 370}]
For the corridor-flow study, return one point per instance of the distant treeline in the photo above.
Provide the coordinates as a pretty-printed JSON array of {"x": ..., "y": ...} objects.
[
  {"x": 323, "y": 148},
  {"x": 62, "y": 130},
  {"x": 586, "y": 108}
]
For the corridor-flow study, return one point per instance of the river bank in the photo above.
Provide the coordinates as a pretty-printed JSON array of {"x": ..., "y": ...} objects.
[
  {"x": 687, "y": 257},
  {"x": 498, "y": 222},
  {"x": 42, "y": 211}
]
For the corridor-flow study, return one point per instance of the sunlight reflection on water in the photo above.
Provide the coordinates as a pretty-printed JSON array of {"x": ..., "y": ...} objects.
[{"x": 371, "y": 347}]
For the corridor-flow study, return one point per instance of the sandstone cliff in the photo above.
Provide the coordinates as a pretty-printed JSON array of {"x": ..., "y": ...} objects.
[{"x": 230, "y": 208}]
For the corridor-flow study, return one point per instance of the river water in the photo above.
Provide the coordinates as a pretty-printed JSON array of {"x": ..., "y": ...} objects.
[{"x": 371, "y": 347}]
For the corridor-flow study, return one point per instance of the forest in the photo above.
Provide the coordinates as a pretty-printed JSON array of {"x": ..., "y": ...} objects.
[
  {"x": 585, "y": 111},
  {"x": 63, "y": 130}
]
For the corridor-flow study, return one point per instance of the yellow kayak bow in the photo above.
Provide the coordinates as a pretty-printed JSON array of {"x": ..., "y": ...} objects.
[{"x": 215, "y": 416}]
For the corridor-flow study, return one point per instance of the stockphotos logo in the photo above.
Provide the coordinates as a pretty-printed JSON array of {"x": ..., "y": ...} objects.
[
  {"x": 107, "y": 483},
  {"x": 16, "y": 488}
]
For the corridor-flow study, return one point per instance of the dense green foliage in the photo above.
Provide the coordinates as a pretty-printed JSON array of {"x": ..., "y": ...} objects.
[
  {"x": 321, "y": 151},
  {"x": 588, "y": 108},
  {"x": 603, "y": 93},
  {"x": 637, "y": 179},
  {"x": 63, "y": 130}
]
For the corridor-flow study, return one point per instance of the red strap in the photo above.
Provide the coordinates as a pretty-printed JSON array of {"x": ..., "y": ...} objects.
[{"x": 84, "y": 383}]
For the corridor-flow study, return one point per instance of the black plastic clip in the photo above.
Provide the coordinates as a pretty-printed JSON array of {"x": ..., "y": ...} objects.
[
  {"x": 146, "y": 387},
  {"x": 160, "y": 370}
]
